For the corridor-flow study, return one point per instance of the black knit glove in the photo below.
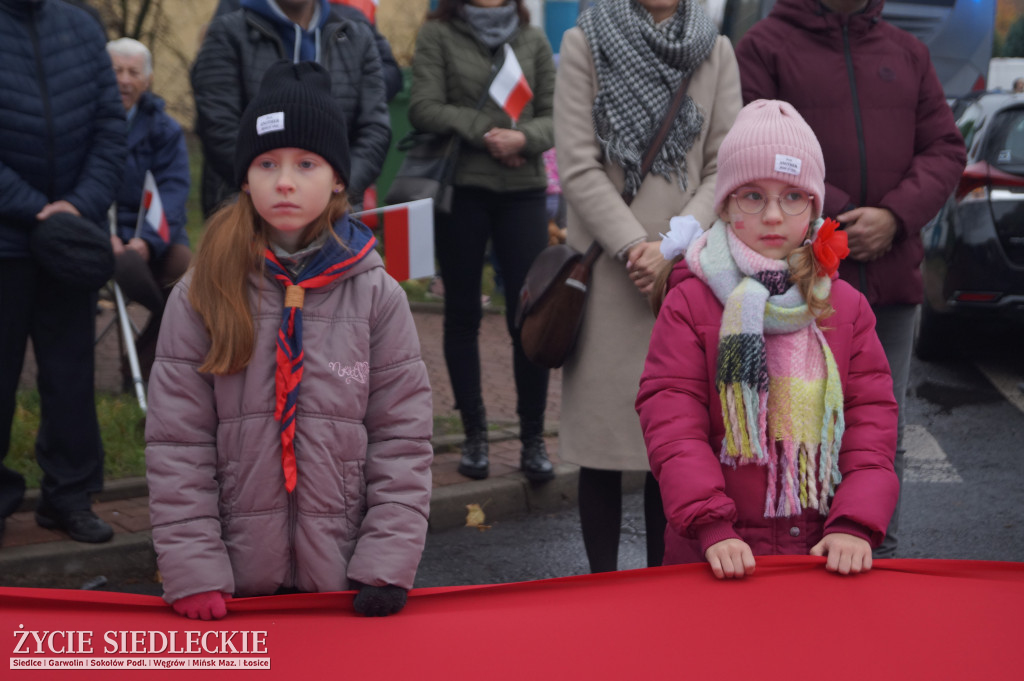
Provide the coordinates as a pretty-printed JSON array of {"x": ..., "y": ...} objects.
[{"x": 378, "y": 601}]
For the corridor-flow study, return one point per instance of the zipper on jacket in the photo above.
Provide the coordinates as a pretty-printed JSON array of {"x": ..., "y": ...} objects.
[
  {"x": 292, "y": 521},
  {"x": 859, "y": 126},
  {"x": 269, "y": 34},
  {"x": 51, "y": 153}
]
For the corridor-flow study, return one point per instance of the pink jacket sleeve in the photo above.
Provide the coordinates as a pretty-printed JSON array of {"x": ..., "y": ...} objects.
[
  {"x": 673, "y": 405},
  {"x": 181, "y": 458}
]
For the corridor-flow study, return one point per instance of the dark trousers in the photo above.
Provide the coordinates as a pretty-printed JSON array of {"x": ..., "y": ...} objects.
[
  {"x": 600, "y": 500},
  {"x": 516, "y": 225},
  {"x": 149, "y": 284},
  {"x": 62, "y": 324}
]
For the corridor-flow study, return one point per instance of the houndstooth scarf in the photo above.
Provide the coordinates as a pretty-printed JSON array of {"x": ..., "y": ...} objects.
[
  {"x": 777, "y": 381},
  {"x": 639, "y": 66}
]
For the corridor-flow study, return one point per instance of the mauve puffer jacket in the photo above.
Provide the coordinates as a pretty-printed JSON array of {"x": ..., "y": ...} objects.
[
  {"x": 222, "y": 520},
  {"x": 707, "y": 501}
]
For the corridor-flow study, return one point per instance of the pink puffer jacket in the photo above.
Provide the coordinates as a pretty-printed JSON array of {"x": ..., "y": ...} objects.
[
  {"x": 707, "y": 501},
  {"x": 222, "y": 520}
]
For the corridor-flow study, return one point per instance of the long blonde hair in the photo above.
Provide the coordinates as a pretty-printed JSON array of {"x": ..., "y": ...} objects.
[
  {"x": 803, "y": 273},
  {"x": 231, "y": 250}
]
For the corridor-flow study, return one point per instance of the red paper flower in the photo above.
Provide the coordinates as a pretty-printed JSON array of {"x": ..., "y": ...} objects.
[{"x": 829, "y": 246}]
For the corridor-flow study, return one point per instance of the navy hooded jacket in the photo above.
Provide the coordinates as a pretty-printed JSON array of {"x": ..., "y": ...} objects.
[{"x": 62, "y": 127}]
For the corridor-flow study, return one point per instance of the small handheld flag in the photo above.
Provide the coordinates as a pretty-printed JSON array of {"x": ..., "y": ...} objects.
[
  {"x": 408, "y": 237},
  {"x": 509, "y": 87},
  {"x": 367, "y": 7},
  {"x": 151, "y": 212}
]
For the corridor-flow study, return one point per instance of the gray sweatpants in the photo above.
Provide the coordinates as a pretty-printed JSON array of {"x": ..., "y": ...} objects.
[{"x": 895, "y": 328}]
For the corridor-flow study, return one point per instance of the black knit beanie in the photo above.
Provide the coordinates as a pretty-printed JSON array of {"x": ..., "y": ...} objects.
[{"x": 294, "y": 108}]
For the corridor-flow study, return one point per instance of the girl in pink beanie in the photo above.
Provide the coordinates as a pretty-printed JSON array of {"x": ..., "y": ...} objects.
[{"x": 766, "y": 400}]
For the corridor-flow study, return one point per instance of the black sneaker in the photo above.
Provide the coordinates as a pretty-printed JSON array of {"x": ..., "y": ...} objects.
[{"x": 83, "y": 525}]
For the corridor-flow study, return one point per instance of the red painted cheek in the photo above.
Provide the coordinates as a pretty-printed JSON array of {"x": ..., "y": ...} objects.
[{"x": 738, "y": 224}]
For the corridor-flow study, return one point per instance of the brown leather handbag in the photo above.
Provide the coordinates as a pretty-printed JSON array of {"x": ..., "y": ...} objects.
[{"x": 554, "y": 293}]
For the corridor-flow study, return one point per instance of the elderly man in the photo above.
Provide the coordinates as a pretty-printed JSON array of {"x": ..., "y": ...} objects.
[
  {"x": 61, "y": 151},
  {"x": 892, "y": 151},
  {"x": 149, "y": 260}
]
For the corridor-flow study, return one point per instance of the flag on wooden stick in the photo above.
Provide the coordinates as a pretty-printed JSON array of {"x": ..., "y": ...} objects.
[
  {"x": 509, "y": 87},
  {"x": 151, "y": 212},
  {"x": 408, "y": 237}
]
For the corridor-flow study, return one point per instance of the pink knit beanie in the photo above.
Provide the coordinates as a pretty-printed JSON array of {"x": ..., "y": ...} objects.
[{"x": 770, "y": 140}]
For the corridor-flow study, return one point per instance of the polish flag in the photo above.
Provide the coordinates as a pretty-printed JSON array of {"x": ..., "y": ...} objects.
[
  {"x": 509, "y": 88},
  {"x": 408, "y": 237},
  {"x": 151, "y": 212},
  {"x": 367, "y": 7}
]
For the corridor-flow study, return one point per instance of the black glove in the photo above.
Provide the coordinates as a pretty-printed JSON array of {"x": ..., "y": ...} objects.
[{"x": 378, "y": 601}]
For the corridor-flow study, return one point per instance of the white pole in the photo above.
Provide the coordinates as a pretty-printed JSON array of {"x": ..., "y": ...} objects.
[
  {"x": 126, "y": 327},
  {"x": 129, "y": 347}
]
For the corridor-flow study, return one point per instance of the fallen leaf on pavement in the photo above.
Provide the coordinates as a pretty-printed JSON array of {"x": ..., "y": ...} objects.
[{"x": 475, "y": 517}]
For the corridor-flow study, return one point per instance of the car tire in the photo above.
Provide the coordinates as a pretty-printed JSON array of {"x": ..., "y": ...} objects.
[{"x": 935, "y": 336}]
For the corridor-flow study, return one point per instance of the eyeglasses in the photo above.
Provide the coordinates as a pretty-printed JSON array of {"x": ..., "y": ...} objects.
[{"x": 791, "y": 202}]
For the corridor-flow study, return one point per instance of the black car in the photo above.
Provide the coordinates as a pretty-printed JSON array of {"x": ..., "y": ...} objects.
[{"x": 974, "y": 248}]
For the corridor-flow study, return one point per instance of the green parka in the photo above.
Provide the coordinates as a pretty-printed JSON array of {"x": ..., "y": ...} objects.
[{"x": 452, "y": 70}]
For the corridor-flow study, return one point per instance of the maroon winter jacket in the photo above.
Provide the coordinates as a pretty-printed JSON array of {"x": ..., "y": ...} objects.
[
  {"x": 707, "y": 501},
  {"x": 869, "y": 92}
]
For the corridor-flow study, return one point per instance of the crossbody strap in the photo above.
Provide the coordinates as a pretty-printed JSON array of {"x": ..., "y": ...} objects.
[{"x": 657, "y": 142}]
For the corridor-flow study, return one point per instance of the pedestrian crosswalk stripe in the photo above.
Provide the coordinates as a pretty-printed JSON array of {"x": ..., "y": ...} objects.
[{"x": 925, "y": 460}]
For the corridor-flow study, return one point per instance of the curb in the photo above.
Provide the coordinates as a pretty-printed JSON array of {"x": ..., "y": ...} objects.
[
  {"x": 502, "y": 497},
  {"x": 129, "y": 555},
  {"x": 131, "y": 488},
  {"x": 437, "y": 307},
  {"x": 68, "y": 564}
]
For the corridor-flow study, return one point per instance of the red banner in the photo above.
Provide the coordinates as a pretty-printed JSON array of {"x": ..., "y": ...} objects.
[{"x": 906, "y": 619}]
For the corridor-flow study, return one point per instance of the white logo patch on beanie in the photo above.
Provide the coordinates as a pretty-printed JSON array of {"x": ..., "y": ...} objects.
[
  {"x": 787, "y": 164},
  {"x": 272, "y": 122}
]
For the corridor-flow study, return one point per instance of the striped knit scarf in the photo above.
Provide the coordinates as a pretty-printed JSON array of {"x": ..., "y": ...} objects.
[
  {"x": 781, "y": 396},
  {"x": 325, "y": 266}
]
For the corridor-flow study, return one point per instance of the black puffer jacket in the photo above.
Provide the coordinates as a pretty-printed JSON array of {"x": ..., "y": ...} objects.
[
  {"x": 62, "y": 126},
  {"x": 238, "y": 49}
]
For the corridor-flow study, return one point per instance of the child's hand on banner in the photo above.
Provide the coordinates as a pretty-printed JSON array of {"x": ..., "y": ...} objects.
[{"x": 203, "y": 606}]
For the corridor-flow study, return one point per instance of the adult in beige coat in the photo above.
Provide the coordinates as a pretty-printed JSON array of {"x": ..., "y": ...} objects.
[{"x": 618, "y": 69}]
